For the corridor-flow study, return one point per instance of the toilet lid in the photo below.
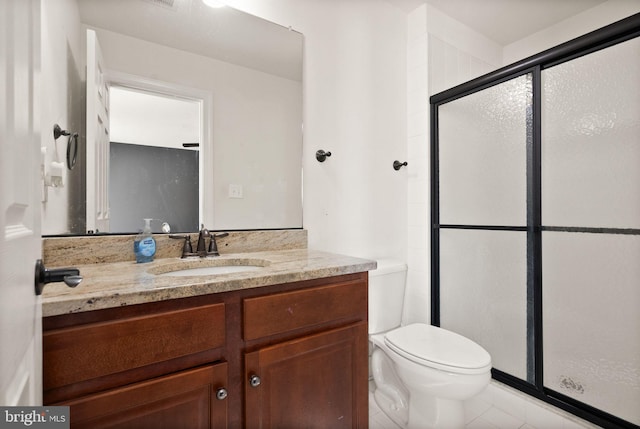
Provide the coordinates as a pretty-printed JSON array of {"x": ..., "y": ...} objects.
[{"x": 439, "y": 348}]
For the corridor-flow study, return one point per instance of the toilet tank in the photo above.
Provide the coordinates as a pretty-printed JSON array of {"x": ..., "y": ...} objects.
[{"x": 386, "y": 295}]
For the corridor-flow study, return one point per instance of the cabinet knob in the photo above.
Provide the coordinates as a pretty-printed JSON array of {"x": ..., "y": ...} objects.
[
  {"x": 222, "y": 394},
  {"x": 254, "y": 381}
]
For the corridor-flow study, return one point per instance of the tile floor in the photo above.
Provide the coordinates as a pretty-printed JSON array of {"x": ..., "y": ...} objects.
[
  {"x": 498, "y": 407},
  {"x": 490, "y": 419}
]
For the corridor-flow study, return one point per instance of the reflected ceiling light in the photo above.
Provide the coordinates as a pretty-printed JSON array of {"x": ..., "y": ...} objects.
[{"x": 214, "y": 3}]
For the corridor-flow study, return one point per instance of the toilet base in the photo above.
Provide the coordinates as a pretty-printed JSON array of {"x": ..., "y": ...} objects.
[
  {"x": 428, "y": 412},
  {"x": 425, "y": 413},
  {"x": 411, "y": 410},
  {"x": 390, "y": 394}
]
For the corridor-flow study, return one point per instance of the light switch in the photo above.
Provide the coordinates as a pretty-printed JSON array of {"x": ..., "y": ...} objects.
[{"x": 235, "y": 191}]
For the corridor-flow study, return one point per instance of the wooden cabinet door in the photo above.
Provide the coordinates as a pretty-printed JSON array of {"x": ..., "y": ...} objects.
[
  {"x": 186, "y": 399},
  {"x": 317, "y": 381}
]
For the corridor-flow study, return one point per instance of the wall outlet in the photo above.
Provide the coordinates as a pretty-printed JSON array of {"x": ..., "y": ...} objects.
[{"x": 235, "y": 191}]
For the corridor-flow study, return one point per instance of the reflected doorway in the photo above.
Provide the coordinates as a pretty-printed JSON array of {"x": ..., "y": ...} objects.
[{"x": 154, "y": 160}]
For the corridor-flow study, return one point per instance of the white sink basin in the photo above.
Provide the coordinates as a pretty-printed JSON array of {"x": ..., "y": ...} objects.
[
  {"x": 209, "y": 271},
  {"x": 208, "y": 267}
]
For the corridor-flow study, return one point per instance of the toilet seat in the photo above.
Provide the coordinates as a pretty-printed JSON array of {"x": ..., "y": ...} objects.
[{"x": 438, "y": 348}]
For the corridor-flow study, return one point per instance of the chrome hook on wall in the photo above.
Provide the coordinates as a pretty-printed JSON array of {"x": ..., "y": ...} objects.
[
  {"x": 397, "y": 165},
  {"x": 322, "y": 155}
]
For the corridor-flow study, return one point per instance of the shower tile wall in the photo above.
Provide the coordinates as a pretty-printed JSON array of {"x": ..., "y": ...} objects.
[
  {"x": 418, "y": 294},
  {"x": 435, "y": 61}
]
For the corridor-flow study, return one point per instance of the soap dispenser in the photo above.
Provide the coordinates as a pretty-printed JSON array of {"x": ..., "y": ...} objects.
[{"x": 144, "y": 246}]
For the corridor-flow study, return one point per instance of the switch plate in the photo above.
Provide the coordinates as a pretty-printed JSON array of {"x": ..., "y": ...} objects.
[{"x": 235, "y": 191}]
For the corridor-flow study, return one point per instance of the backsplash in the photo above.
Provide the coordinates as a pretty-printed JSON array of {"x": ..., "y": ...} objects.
[{"x": 61, "y": 251}]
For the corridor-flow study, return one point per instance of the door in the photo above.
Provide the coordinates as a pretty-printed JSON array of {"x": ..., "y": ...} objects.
[
  {"x": 20, "y": 240},
  {"x": 97, "y": 138},
  {"x": 317, "y": 381}
]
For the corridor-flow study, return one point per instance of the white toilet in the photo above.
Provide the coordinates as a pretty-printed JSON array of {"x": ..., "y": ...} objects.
[{"x": 422, "y": 373}]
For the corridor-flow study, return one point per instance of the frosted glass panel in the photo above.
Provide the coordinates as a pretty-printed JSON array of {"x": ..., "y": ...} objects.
[
  {"x": 591, "y": 298},
  {"x": 483, "y": 292},
  {"x": 482, "y": 154},
  {"x": 591, "y": 140}
]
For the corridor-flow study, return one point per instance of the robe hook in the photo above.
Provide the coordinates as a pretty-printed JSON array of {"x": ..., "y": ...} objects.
[
  {"x": 322, "y": 155},
  {"x": 397, "y": 165}
]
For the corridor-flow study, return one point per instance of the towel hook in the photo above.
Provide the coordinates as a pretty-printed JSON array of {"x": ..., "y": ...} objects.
[
  {"x": 397, "y": 165},
  {"x": 322, "y": 155}
]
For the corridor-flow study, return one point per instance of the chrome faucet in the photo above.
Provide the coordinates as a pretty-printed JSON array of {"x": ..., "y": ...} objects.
[{"x": 202, "y": 249}]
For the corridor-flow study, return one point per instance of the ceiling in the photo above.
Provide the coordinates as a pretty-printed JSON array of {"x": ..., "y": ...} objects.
[
  {"x": 225, "y": 34},
  {"x": 239, "y": 38},
  {"x": 505, "y": 21}
]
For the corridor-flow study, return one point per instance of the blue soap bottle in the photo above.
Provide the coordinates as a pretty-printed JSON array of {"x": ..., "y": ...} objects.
[{"x": 144, "y": 246}]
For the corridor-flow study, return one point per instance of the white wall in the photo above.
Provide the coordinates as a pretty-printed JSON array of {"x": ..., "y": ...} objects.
[
  {"x": 585, "y": 22},
  {"x": 441, "y": 53},
  {"x": 355, "y": 92},
  {"x": 62, "y": 99},
  {"x": 456, "y": 52}
]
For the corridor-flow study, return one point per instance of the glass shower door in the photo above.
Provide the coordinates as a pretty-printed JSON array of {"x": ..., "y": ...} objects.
[
  {"x": 591, "y": 229},
  {"x": 483, "y": 143},
  {"x": 536, "y": 222}
]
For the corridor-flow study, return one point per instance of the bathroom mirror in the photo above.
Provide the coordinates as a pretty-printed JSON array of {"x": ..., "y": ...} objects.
[{"x": 244, "y": 72}]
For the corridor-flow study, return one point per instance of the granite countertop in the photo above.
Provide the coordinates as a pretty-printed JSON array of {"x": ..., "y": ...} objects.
[{"x": 109, "y": 285}]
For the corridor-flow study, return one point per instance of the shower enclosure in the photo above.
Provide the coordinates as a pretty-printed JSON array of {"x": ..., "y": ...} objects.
[{"x": 536, "y": 222}]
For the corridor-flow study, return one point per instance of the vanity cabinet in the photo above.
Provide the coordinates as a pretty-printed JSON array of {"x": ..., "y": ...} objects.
[
  {"x": 120, "y": 369},
  {"x": 284, "y": 356},
  {"x": 311, "y": 382},
  {"x": 317, "y": 380}
]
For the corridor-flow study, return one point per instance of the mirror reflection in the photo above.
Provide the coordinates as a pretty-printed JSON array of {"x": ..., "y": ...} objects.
[
  {"x": 155, "y": 138},
  {"x": 193, "y": 115}
]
